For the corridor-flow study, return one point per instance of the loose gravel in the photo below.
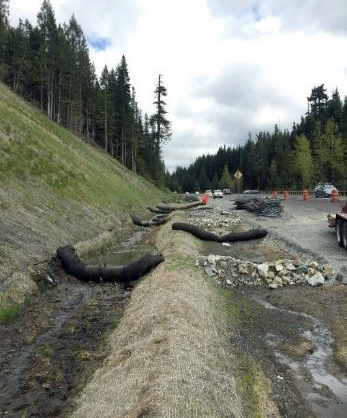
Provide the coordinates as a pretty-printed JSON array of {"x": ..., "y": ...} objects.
[{"x": 302, "y": 229}]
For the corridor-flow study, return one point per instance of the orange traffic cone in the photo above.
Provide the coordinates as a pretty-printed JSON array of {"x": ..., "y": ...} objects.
[
  {"x": 334, "y": 195},
  {"x": 204, "y": 199},
  {"x": 305, "y": 194}
]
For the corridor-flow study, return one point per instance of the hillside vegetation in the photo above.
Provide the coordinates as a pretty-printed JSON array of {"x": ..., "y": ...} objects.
[{"x": 55, "y": 188}]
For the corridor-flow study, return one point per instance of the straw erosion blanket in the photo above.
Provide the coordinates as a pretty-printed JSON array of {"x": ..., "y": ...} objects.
[{"x": 170, "y": 355}]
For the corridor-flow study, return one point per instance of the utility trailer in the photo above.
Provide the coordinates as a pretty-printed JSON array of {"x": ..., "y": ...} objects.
[{"x": 339, "y": 222}]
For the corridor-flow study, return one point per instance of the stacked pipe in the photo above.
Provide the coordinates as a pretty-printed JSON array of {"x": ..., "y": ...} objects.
[{"x": 262, "y": 206}]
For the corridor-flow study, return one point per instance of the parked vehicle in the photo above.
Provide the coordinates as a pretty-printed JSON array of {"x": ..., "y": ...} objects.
[
  {"x": 324, "y": 190},
  {"x": 197, "y": 193},
  {"x": 209, "y": 193},
  {"x": 339, "y": 221},
  {"x": 217, "y": 194},
  {"x": 226, "y": 191}
]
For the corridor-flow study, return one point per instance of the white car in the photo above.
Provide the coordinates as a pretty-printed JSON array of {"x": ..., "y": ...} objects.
[
  {"x": 209, "y": 193},
  {"x": 217, "y": 193}
]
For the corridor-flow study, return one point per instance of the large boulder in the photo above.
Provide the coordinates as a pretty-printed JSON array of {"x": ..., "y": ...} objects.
[{"x": 315, "y": 280}]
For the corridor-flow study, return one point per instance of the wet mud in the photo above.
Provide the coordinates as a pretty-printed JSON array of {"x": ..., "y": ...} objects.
[
  {"x": 51, "y": 350},
  {"x": 289, "y": 333},
  {"x": 292, "y": 333}
]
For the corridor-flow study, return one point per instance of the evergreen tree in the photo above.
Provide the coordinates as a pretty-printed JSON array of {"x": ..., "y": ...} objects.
[
  {"x": 343, "y": 122},
  {"x": 273, "y": 174},
  {"x": 332, "y": 153},
  {"x": 226, "y": 180},
  {"x": 335, "y": 107},
  {"x": 3, "y": 35},
  {"x": 104, "y": 80},
  {"x": 123, "y": 110},
  {"x": 215, "y": 182},
  {"x": 203, "y": 181},
  {"x": 318, "y": 102},
  {"x": 161, "y": 125},
  {"x": 303, "y": 161},
  {"x": 48, "y": 33}
]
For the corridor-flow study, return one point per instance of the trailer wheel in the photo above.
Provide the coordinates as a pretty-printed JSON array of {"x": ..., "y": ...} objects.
[
  {"x": 344, "y": 235},
  {"x": 339, "y": 224}
]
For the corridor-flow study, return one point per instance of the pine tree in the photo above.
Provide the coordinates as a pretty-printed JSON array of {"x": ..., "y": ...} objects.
[
  {"x": 104, "y": 86},
  {"x": 202, "y": 179},
  {"x": 318, "y": 102},
  {"x": 48, "y": 32},
  {"x": 3, "y": 35},
  {"x": 303, "y": 162},
  {"x": 335, "y": 107},
  {"x": 343, "y": 122},
  {"x": 123, "y": 110},
  {"x": 161, "y": 125},
  {"x": 215, "y": 182},
  {"x": 273, "y": 174},
  {"x": 226, "y": 180},
  {"x": 332, "y": 153}
]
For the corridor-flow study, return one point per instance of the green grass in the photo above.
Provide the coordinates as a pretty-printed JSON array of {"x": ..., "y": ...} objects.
[
  {"x": 9, "y": 313},
  {"x": 243, "y": 314},
  {"x": 180, "y": 262},
  {"x": 33, "y": 148}
]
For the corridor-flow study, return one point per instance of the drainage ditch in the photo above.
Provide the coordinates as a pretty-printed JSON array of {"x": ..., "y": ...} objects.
[{"x": 51, "y": 350}]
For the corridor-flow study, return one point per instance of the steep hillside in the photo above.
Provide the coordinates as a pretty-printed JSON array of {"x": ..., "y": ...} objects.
[{"x": 55, "y": 188}]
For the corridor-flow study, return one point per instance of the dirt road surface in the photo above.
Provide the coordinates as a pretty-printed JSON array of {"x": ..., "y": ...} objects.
[{"x": 302, "y": 228}]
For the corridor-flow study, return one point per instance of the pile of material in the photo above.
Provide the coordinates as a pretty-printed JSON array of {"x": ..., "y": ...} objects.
[
  {"x": 213, "y": 218},
  {"x": 191, "y": 198},
  {"x": 262, "y": 206},
  {"x": 155, "y": 221},
  {"x": 232, "y": 272}
]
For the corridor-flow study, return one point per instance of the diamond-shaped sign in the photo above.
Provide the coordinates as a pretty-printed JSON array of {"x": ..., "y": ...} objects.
[{"x": 238, "y": 174}]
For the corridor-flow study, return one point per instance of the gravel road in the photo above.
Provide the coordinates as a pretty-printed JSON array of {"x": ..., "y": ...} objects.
[{"x": 302, "y": 228}]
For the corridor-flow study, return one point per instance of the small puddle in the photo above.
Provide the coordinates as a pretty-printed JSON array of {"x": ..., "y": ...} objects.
[
  {"x": 325, "y": 392},
  {"x": 123, "y": 253}
]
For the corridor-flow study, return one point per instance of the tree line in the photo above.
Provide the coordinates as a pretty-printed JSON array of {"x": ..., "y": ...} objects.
[
  {"x": 313, "y": 150},
  {"x": 49, "y": 64}
]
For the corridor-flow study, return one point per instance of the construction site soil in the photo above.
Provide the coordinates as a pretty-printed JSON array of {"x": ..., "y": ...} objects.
[{"x": 289, "y": 345}]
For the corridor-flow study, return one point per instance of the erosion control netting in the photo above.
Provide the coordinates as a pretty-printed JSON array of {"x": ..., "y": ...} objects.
[{"x": 262, "y": 206}]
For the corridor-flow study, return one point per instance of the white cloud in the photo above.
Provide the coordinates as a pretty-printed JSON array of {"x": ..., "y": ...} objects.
[{"x": 230, "y": 66}]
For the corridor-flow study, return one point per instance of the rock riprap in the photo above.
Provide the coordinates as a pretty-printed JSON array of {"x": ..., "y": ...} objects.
[
  {"x": 213, "y": 218},
  {"x": 233, "y": 272}
]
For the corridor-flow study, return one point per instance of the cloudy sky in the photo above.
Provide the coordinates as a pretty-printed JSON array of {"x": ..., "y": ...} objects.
[{"x": 230, "y": 66}]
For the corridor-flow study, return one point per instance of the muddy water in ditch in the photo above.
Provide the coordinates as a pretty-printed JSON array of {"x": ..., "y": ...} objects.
[
  {"x": 123, "y": 253},
  {"x": 60, "y": 338},
  {"x": 323, "y": 387}
]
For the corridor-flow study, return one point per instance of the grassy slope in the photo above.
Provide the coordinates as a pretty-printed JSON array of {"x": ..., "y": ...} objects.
[{"x": 55, "y": 188}]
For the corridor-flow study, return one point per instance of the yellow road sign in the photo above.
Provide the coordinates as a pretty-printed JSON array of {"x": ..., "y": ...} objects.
[{"x": 238, "y": 174}]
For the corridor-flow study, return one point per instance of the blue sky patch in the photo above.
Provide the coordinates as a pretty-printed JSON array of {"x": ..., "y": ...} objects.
[{"x": 99, "y": 44}]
